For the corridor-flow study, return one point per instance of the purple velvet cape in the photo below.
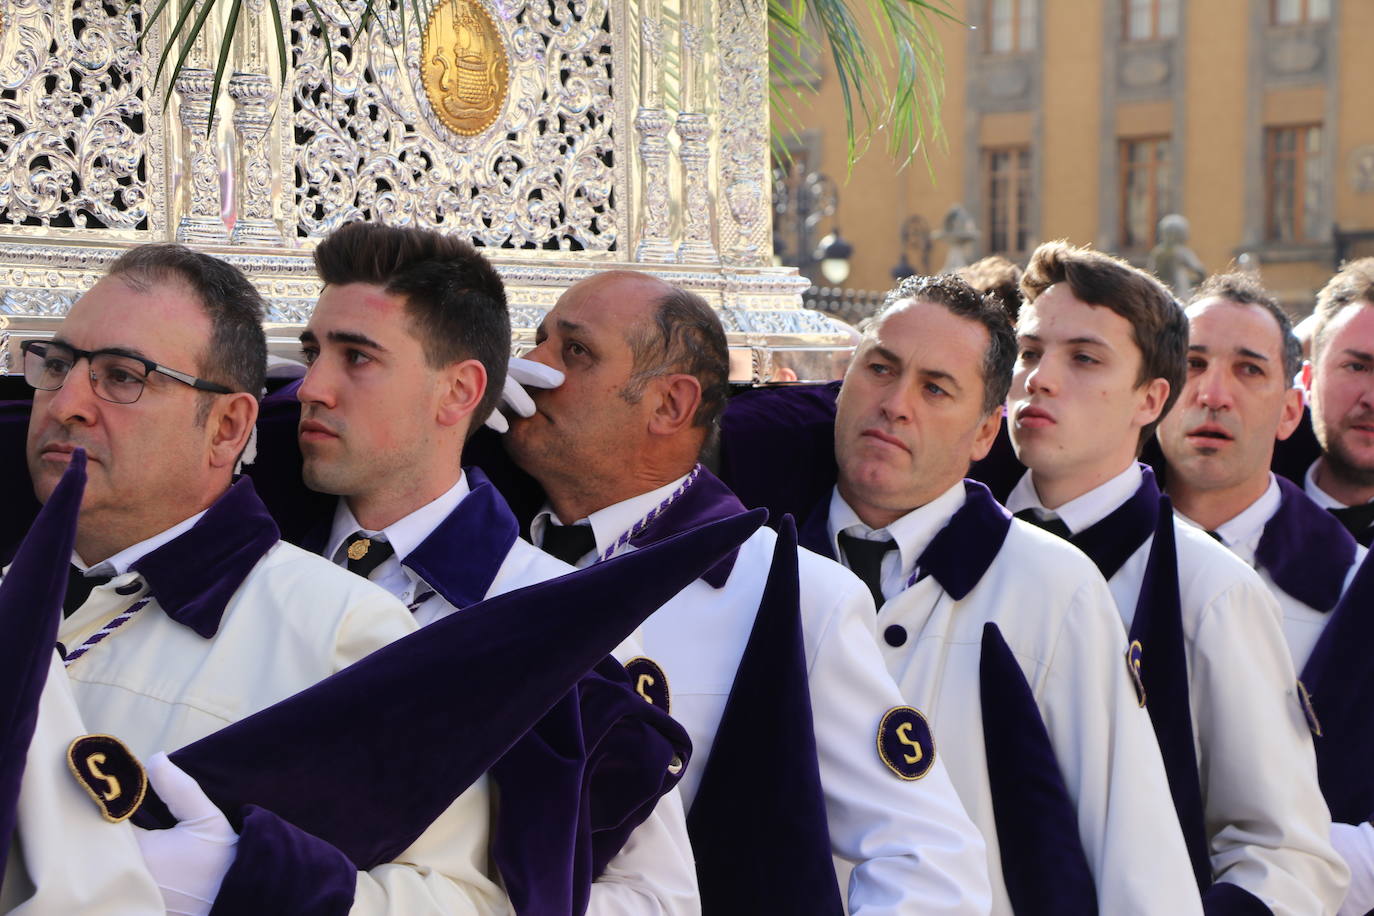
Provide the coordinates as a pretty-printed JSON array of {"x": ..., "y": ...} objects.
[
  {"x": 759, "y": 833},
  {"x": 1308, "y": 554},
  {"x": 30, "y": 609},
  {"x": 1158, "y": 627},
  {"x": 451, "y": 699},
  {"x": 759, "y": 830},
  {"x": 1043, "y": 862}
]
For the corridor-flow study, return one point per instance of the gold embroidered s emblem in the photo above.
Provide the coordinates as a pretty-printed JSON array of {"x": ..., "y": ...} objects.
[{"x": 110, "y": 774}]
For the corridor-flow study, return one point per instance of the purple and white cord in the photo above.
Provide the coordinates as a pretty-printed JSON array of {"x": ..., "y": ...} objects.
[
  {"x": 103, "y": 633},
  {"x": 638, "y": 527}
]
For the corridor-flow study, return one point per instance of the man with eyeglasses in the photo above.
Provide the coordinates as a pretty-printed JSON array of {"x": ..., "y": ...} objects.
[{"x": 185, "y": 611}]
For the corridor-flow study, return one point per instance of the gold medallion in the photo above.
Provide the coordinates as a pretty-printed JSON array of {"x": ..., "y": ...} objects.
[
  {"x": 358, "y": 549},
  {"x": 465, "y": 70}
]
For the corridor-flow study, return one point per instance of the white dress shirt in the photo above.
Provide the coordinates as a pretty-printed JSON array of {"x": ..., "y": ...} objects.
[
  {"x": 1066, "y": 635},
  {"x": 913, "y": 846},
  {"x": 911, "y": 533},
  {"x": 654, "y": 874},
  {"x": 158, "y": 686},
  {"x": 1302, "y": 625},
  {"x": 65, "y": 858},
  {"x": 1266, "y": 820}
]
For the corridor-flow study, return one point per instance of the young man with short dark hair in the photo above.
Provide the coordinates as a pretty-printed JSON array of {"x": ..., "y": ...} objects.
[{"x": 1102, "y": 359}]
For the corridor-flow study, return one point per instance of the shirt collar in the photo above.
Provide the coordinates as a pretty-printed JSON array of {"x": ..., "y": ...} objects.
[
  {"x": 1242, "y": 533},
  {"x": 912, "y": 532},
  {"x": 1083, "y": 511},
  {"x": 194, "y": 576},
  {"x": 120, "y": 563},
  {"x": 404, "y": 534},
  {"x": 610, "y": 523},
  {"x": 1316, "y": 493}
]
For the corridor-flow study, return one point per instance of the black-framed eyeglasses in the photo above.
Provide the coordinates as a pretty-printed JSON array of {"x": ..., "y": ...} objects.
[{"x": 116, "y": 376}]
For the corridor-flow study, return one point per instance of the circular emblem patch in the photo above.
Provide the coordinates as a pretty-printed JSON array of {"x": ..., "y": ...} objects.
[
  {"x": 1134, "y": 655},
  {"x": 1305, "y": 699},
  {"x": 649, "y": 681},
  {"x": 905, "y": 743},
  {"x": 110, "y": 774}
]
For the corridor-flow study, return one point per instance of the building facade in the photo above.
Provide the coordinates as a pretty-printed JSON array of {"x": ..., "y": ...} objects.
[{"x": 1091, "y": 119}]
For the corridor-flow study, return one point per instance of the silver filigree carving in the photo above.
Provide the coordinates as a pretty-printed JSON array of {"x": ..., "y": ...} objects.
[
  {"x": 543, "y": 177},
  {"x": 73, "y": 134},
  {"x": 694, "y": 151},
  {"x": 742, "y": 42},
  {"x": 253, "y": 96},
  {"x": 202, "y": 222},
  {"x": 655, "y": 242}
]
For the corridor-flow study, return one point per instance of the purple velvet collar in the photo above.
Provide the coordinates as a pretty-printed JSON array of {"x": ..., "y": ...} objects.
[
  {"x": 1307, "y": 551},
  {"x": 461, "y": 556},
  {"x": 1111, "y": 541},
  {"x": 707, "y": 500},
  {"x": 963, "y": 550},
  {"x": 195, "y": 575}
]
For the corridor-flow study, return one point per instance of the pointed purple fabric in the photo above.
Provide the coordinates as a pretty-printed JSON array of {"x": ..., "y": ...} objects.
[
  {"x": 1043, "y": 862},
  {"x": 1158, "y": 627},
  {"x": 30, "y": 610},
  {"x": 967, "y": 546},
  {"x": 1307, "y": 552},
  {"x": 340, "y": 759},
  {"x": 587, "y": 774},
  {"x": 759, "y": 830},
  {"x": 1340, "y": 680}
]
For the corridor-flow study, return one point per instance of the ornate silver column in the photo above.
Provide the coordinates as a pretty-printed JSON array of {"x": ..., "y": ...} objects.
[
  {"x": 253, "y": 95},
  {"x": 694, "y": 132},
  {"x": 742, "y": 52},
  {"x": 652, "y": 123},
  {"x": 202, "y": 223}
]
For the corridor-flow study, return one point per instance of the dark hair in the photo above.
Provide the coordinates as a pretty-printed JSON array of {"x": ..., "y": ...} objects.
[
  {"x": 1354, "y": 282},
  {"x": 236, "y": 354},
  {"x": 1243, "y": 289},
  {"x": 963, "y": 300},
  {"x": 454, "y": 297},
  {"x": 997, "y": 277},
  {"x": 685, "y": 335},
  {"x": 1158, "y": 324}
]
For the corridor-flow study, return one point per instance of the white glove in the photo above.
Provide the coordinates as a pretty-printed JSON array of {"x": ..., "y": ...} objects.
[
  {"x": 1355, "y": 843},
  {"x": 522, "y": 374},
  {"x": 190, "y": 860}
]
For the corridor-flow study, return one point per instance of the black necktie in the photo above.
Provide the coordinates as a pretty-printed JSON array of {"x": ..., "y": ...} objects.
[
  {"x": 79, "y": 588},
  {"x": 365, "y": 553},
  {"x": 1054, "y": 525},
  {"x": 1216, "y": 537},
  {"x": 569, "y": 543},
  {"x": 865, "y": 560},
  {"x": 1357, "y": 520}
]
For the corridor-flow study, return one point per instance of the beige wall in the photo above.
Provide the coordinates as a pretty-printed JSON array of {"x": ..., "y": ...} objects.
[{"x": 1076, "y": 121}]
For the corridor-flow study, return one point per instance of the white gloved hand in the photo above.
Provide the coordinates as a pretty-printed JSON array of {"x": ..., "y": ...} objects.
[
  {"x": 522, "y": 374},
  {"x": 190, "y": 860},
  {"x": 1355, "y": 843}
]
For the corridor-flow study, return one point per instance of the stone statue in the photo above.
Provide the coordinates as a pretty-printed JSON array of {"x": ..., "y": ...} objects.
[
  {"x": 1172, "y": 261},
  {"x": 960, "y": 233}
]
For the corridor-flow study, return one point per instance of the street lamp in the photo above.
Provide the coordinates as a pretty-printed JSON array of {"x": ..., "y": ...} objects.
[{"x": 800, "y": 203}]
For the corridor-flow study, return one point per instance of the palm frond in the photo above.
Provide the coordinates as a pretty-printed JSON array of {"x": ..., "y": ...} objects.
[{"x": 904, "y": 107}]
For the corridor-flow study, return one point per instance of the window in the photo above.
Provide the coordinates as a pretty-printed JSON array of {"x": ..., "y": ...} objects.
[
  {"x": 1146, "y": 189},
  {"x": 1296, "y": 12},
  {"x": 1293, "y": 181},
  {"x": 1011, "y": 26},
  {"x": 1146, "y": 19},
  {"x": 1007, "y": 184}
]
